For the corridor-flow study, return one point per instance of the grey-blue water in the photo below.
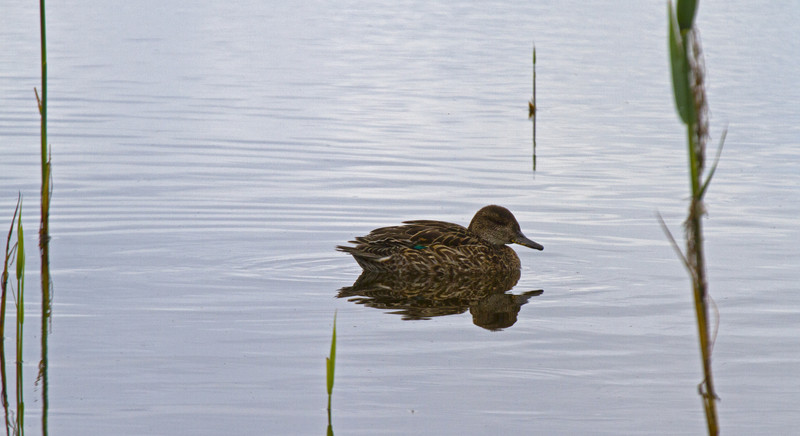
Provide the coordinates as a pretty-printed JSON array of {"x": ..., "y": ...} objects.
[{"x": 208, "y": 156}]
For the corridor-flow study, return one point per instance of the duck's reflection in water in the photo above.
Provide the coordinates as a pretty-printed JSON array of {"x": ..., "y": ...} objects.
[{"x": 423, "y": 297}]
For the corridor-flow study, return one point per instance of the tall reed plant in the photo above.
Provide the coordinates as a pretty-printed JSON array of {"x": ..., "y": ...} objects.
[
  {"x": 44, "y": 226},
  {"x": 688, "y": 83},
  {"x": 17, "y": 424}
]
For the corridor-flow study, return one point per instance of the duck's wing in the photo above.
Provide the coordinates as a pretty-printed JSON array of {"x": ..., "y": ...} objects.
[{"x": 426, "y": 232}]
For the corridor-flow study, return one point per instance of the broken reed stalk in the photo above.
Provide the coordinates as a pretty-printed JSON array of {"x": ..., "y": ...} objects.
[{"x": 688, "y": 74}]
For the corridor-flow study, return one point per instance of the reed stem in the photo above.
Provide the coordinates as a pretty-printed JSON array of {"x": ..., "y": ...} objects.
[
  {"x": 690, "y": 99},
  {"x": 20, "y": 416},
  {"x": 44, "y": 229},
  {"x": 532, "y": 108}
]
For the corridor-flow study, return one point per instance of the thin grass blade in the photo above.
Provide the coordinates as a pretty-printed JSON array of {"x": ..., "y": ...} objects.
[{"x": 714, "y": 166}]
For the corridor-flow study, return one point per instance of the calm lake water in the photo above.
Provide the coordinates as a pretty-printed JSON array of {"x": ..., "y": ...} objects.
[{"x": 207, "y": 158}]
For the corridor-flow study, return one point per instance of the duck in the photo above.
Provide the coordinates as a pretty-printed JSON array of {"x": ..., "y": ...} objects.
[{"x": 424, "y": 247}]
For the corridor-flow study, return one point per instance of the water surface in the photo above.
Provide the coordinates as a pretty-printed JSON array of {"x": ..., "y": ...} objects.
[{"x": 207, "y": 159}]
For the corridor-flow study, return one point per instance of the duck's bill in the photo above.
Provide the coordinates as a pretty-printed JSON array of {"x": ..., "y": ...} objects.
[{"x": 522, "y": 240}]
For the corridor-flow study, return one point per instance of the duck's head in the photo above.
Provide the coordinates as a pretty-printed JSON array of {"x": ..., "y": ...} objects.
[{"x": 498, "y": 226}]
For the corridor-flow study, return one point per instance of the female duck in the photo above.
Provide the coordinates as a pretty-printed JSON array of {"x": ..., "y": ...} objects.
[{"x": 437, "y": 247}]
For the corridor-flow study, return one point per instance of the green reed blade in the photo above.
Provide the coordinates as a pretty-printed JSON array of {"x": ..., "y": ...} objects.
[
  {"x": 687, "y": 9},
  {"x": 330, "y": 365},
  {"x": 680, "y": 70},
  {"x": 331, "y": 361}
]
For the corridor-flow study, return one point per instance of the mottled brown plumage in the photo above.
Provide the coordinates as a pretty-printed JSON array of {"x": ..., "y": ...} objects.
[{"x": 437, "y": 247}]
